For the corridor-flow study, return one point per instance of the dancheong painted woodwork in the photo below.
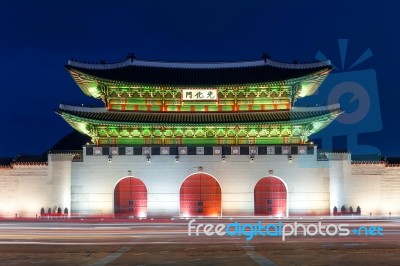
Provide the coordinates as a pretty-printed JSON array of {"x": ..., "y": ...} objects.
[{"x": 167, "y": 103}]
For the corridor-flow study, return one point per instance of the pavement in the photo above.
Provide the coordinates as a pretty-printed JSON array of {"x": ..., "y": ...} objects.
[{"x": 166, "y": 241}]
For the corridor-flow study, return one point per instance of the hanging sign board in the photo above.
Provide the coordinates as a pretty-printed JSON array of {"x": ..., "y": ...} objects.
[{"x": 199, "y": 94}]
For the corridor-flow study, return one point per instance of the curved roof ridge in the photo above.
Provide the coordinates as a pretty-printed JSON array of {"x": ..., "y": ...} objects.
[
  {"x": 317, "y": 108},
  {"x": 196, "y": 65},
  {"x": 83, "y": 109}
]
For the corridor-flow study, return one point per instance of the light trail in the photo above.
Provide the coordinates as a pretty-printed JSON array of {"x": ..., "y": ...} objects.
[{"x": 73, "y": 233}]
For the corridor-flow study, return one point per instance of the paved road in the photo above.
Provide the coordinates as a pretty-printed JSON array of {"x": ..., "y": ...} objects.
[
  {"x": 375, "y": 242},
  {"x": 176, "y": 232}
]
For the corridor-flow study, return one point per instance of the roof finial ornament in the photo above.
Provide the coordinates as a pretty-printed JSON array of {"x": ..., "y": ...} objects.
[
  {"x": 265, "y": 56},
  {"x": 131, "y": 56}
]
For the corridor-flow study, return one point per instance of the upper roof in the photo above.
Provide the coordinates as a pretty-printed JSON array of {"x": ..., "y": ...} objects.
[{"x": 196, "y": 74}]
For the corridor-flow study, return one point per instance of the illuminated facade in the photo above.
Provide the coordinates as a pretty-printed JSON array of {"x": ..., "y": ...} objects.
[
  {"x": 157, "y": 103},
  {"x": 199, "y": 139}
]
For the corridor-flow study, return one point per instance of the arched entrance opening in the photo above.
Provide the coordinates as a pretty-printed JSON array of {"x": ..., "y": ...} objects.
[
  {"x": 130, "y": 198},
  {"x": 270, "y": 197},
  {"x": 200, "y": 195}
]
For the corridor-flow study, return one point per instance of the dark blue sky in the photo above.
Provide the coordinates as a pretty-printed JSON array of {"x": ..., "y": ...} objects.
[{"x": 38, "y": 37}]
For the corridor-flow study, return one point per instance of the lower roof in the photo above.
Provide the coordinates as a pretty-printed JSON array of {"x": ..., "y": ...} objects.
[{"x": 195, "y": 118}]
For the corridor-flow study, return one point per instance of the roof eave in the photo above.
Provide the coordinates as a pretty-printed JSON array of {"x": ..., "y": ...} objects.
[{"x": 88, "y": 85}]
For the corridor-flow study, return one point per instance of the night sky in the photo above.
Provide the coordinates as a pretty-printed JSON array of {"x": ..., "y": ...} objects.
[{"x": 38, "y": 37}]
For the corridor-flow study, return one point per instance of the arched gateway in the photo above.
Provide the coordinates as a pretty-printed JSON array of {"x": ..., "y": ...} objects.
[
  {"x": 200, "y": 195},
  {"x": 130, "y": 198},
  {"x": 270, "y": 197}
]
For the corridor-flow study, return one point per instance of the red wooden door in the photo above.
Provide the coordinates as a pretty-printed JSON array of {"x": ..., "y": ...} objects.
[
  {"x": 200, "y": 195},
  {"x": 130, "y": 198},
  {"x": 270, "y": 197}
]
